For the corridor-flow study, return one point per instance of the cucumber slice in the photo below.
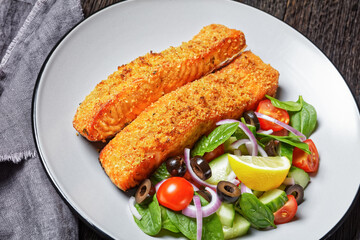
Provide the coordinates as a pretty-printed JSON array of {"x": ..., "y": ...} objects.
[
  {"x": 274, "y": 199},
  {"x": 226, "y": 213},
  {"x": 220, "y": 169},
  {"x": 241, "y": 227},
  {"x": 300, "y": 176}
]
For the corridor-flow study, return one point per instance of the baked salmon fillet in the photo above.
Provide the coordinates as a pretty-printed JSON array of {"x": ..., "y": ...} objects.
[
  {"x": 119, "y": 99},
  {"x": 178, "y": 119}
]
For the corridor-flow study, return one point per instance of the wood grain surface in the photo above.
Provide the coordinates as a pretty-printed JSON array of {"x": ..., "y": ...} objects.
[{"x": 334, "y": 27}]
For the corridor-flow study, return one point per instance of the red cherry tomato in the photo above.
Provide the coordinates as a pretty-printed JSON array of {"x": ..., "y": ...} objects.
[
  {"x": 175, "y": 193},
  {"x": 266, "y": 107},
  {"x": 305, "y": 161},
  {"x": 286, "y": 212}
]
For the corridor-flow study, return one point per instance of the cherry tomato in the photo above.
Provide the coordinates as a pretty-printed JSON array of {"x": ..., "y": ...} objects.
[
  {"x": 214, "y": 153},
  {"x": 305, "y": 161},
  {"x": 286, "y": 212},
  {"x": 266, "y": 107},
  {"x": 175, "y": 193}
]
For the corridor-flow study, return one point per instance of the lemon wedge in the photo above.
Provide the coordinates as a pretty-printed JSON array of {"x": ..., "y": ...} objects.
[{"x": 260, "y": 173}]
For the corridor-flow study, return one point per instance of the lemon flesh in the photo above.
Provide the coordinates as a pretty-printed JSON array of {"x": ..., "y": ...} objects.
[{"x": 260, "y": 173}]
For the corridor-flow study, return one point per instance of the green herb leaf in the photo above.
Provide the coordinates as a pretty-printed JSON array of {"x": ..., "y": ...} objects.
[
  {"x": 212, "y": 228},
  {"x": 150, "y": 223},
  {"x": 291, "y": 140},
  {"x": 255, "y": 211},
  {"x": 305, "y": 119},
  {"x": 286, "y": 150},
  {"x": 160, "y": 174},
  {"x": 214, "y": 139},
  {"x": 288, "y": 105},
  {"x": 166, "y": 222}
]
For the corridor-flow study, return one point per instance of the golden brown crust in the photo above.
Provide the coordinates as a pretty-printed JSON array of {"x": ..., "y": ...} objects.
[
  {"x": 179, "y": 118},
  {"x": 115, "y": 102}
]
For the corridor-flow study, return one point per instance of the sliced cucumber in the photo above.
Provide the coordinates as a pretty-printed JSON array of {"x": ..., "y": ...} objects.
[
  {"x": 241, "y": 227},
  {"x": 220, "y": 169},
  {"x": 274, "y": 199},
  {"x": 226, "y": 213},
  {"x": 300, "y": 176}
]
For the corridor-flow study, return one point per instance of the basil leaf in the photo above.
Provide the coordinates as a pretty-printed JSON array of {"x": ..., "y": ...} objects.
[
  {"x": 288, "y": 105},
  {"x": 150, "y": 223},
  {"x": 186, "y": 225},
  {"x": 160, "y": 174},
  {"x": 305, "y": 119},
  {"x": 166, "y": 222},
  {"x": 255, "y": 211},
  {"x": 212, "y": 228},
  {"x": 214, "y": 139},
  {"x": 286, "y": 150},
  {"x": 291, "y": 140}
]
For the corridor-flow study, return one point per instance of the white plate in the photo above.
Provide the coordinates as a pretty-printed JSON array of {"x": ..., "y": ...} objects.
[{"x": 122, "y": 32}]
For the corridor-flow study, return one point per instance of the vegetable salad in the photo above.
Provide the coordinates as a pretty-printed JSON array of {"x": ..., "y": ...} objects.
[{"x": 247, "y": 173}]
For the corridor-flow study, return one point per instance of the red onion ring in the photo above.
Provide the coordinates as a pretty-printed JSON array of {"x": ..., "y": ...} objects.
[
  {"x": 207, "y": 210},
  {"x": 238, "y": 143},
  {"x": 133, "y": 210},
  {"x": 301, "y": 136},
  {"x": 245, "y": 189},
  {"x": 246, "y": 131},
  {"x": 199, "y": 217},
  {"x": 289, "y": 181},
  {"x": 191, "y": 171}
]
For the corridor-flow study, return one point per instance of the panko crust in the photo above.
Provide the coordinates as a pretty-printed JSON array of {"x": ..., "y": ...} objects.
[
  {"x": 119, "y": 99},
  {"x": 178, "y": 119}
]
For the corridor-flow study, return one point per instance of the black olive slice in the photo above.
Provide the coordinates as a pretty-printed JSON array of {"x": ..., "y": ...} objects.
[
  {"x": 200, "y": 167},
  {"x": 297, "y": 191},
  {"x": 145, "y": 192},
  {"x": 205, "y": 194},
  {"x": 228, "y": 192},
  {"x": 251, "y": 118},
  {"x": 271, "y": 148},
  {"x": 176, "y": 166}
]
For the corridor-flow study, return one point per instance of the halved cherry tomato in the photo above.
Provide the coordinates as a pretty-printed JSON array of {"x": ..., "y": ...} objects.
[
  {"x": 286, "y": 212},
  {"x": 266, "y": 107},
  {"x": 175, "y": 193},
  {"x": 305, "y": 161}
]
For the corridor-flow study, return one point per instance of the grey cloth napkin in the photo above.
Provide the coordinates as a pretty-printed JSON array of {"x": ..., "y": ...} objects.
[{"x": 30, "y": 207}]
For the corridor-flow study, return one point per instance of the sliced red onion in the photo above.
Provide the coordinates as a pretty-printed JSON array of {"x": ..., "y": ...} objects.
[
  {"x": 226, "y": 121},
  {"x": 231, "y": 176},
  {"x": 268, "y": 132},
  {"x": 301, "y": 136},
  {"x": 245, "y": 189},
  {"x": 262, "y": 151},
  {"x": 191, "y": 171},
  {"x": 238, "y": 143},
  {"x": 289, "y": 181},
  {"x": 133, "y": 209},
  {"x": 235, "y": 181},
  {"x": 246, "y": 131},
  {"x": 237, "y": 152},
  {"x": 159, "y": 184},
  {"x": 199, "y": 217},
  {"x": 207, "y": 210}
]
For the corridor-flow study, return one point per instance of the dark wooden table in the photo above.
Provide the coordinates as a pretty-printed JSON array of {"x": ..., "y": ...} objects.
[{"x": 334, "y": 27}]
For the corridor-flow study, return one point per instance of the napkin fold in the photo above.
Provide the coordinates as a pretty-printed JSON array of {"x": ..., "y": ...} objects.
[{"x": 30, "y": 207}]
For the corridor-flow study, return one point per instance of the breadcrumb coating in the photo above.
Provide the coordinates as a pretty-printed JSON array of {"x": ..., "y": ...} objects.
[
  {"x": 179, "y": 118},
  {"x": 119, "y": 99}
]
